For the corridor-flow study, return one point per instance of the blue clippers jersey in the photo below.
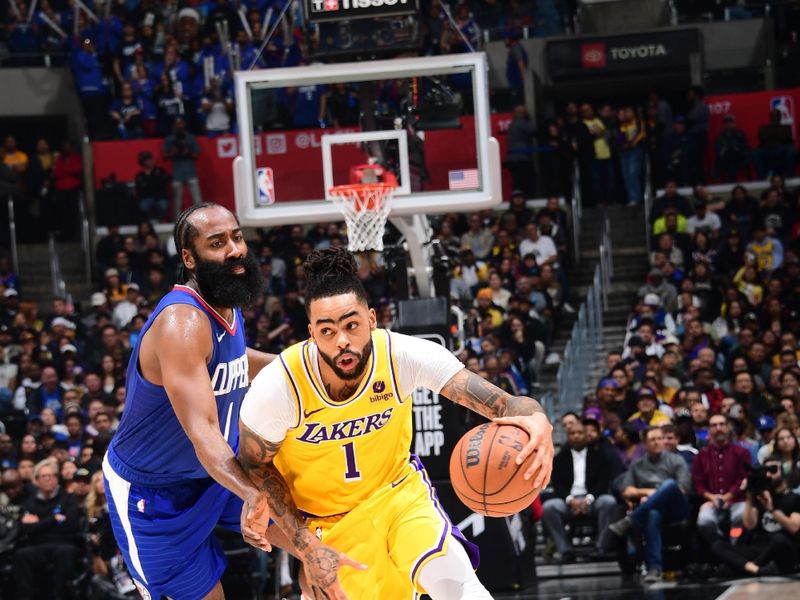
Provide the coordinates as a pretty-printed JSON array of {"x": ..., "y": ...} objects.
[{"x": 150, "y": 446}]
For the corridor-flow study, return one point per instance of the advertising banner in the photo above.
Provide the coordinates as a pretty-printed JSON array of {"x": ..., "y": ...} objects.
[
  {"x": 752, "y": 111},
  {"x": 293, "y": 155},
  {"x": 336, "y": 10},
  {"x": 621, "y": 54}
]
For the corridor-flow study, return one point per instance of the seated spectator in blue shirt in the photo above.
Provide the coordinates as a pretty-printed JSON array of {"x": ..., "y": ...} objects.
[
  {"x": 672, "y": 443},
  {"x": 127, "y": 113},
  {"x": 47, "y": 395},
  {"x": 655, "y": 488}
]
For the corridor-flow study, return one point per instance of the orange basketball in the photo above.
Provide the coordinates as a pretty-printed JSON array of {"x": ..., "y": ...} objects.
[{"x": 484, "y": 472}]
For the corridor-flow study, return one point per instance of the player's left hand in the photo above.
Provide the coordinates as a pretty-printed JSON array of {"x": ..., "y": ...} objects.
[
  {"x": 254, "y": 521},
  {"x": 541, "y": 433}
]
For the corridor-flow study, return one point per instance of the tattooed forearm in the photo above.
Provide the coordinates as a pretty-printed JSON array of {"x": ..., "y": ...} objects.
[
  {"x": 255, "y": 455},
  {"x": 285, "y": 513},
  {"x": 474, "y": 392},
  {"x": 518, "y": 406}
]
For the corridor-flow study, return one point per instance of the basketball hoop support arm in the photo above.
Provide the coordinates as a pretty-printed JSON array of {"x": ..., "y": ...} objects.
[{"x": 417, "y": 231}]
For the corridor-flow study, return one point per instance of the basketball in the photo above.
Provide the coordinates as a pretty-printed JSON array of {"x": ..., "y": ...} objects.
[{"x": 484, "y": 472}]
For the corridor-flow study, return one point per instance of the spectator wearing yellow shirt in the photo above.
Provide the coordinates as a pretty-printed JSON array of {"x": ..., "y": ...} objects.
[
  {"x": 486, "y": 307},
  {"x": 767, "y": 250},
  {"x": 648, "y": 414},
  {"x": 631, "y": 154},
  {"x": 602, "y": 167},
  {"x": 660, "y": 224},
  {"x": 15, "y": 158},
  {"x": 748, "y": 283},
  {"x": 115, "y": 290}
]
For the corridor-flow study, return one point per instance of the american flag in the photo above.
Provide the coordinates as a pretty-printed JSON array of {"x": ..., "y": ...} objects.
[{"x": 466, "y": 179}]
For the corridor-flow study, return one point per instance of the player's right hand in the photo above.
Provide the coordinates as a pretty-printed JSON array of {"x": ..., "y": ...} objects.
[
  {"x": 254, "y": 522},
  {"x": 321, "y": 566}
]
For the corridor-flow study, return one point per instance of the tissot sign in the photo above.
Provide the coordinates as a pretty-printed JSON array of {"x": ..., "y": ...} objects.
[
  {"x": 581, "y": 57},
  {"x": 334, "y": 10}
]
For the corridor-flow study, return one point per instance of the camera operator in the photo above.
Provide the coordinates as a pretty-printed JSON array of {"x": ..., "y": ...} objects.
[
  {"x": 182, "y": 148},
  {"x": 771, "y": 519}
]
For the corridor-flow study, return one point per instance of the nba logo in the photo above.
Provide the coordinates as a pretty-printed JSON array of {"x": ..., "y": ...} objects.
[
  {"x": 784, "y": 104},
  {"x": 266, "y": 186}
]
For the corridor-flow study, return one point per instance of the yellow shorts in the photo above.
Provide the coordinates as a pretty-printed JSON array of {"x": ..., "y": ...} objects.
[{"x": 395, "y": 533}]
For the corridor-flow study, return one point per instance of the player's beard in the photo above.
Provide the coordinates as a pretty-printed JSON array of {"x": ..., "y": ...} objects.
[
  {"x": 362, "y": 358},
  {"x": 220, "y": 286}
]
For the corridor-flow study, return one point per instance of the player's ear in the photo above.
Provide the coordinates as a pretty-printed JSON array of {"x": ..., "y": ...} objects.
[
  {"x": 187, "y": 258},
  {"x": 373, "y": 319},
  {"x": 311, "y": 332}
]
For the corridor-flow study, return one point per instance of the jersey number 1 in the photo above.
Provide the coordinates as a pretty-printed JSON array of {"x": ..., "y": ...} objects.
[{"x": 352, "y": 473}]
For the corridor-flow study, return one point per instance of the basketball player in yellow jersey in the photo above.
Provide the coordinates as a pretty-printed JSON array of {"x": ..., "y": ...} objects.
[{"x": 326, "y": 432}]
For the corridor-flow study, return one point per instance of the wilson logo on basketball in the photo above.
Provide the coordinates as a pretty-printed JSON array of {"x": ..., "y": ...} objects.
[
  {"x": 593, "y": 56},
  {"x": 473, "y": 458}
]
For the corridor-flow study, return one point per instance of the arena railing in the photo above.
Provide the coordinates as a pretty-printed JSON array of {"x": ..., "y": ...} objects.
[
  {"x": 85, "y": 238},
  {"x": 57, "y": 280},
  {"x": 574, "y": 377},
  {"x": 575, "y": 212},
  {"x": 649, "y": 198},
  {"x": 12, "y": 234}
]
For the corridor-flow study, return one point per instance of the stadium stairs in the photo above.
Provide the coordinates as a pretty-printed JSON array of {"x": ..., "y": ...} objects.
[
  {"x": 36, "y": 280},
  {"x": 629, "y": 251}
]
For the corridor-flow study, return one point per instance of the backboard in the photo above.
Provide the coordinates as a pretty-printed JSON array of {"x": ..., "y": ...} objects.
[{"x": 425, "y": 119}]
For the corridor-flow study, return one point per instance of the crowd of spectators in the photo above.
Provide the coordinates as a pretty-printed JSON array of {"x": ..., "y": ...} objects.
[
  {"x": 612, "y": 146},
  {"x": 45, "y": 188},
  {"x": 140, "y": 65},
  {"x": 706, "y": 385},
  {"x": 705, "y": 390},
  {"x": 62, "y": 373}
]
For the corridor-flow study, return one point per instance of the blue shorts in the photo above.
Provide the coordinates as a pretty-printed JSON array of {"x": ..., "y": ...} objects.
[{"x": 166, "y": 533}]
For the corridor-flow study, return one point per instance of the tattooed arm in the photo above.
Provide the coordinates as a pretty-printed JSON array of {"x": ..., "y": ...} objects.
[
  {"x": 485, "y": 398},
  {"x": 320, "y": 561}
]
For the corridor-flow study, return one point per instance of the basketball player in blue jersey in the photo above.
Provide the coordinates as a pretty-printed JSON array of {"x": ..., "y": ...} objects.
[
  {"x": 326, "y": 430},
  {"x": 171, "y": 473}
]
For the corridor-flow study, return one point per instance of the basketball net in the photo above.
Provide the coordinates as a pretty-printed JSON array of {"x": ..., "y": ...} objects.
[{"x": 365, "y": 206}]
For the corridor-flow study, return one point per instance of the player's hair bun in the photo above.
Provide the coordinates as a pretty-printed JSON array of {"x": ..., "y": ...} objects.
[{"x": 330, "y": 263}]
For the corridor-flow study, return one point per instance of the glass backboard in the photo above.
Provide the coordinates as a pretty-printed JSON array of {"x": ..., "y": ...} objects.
[{"x": 303, "y": 129}]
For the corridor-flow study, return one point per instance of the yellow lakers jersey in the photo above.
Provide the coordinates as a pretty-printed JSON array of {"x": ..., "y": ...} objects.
[{"x": 341, "y": 452}]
